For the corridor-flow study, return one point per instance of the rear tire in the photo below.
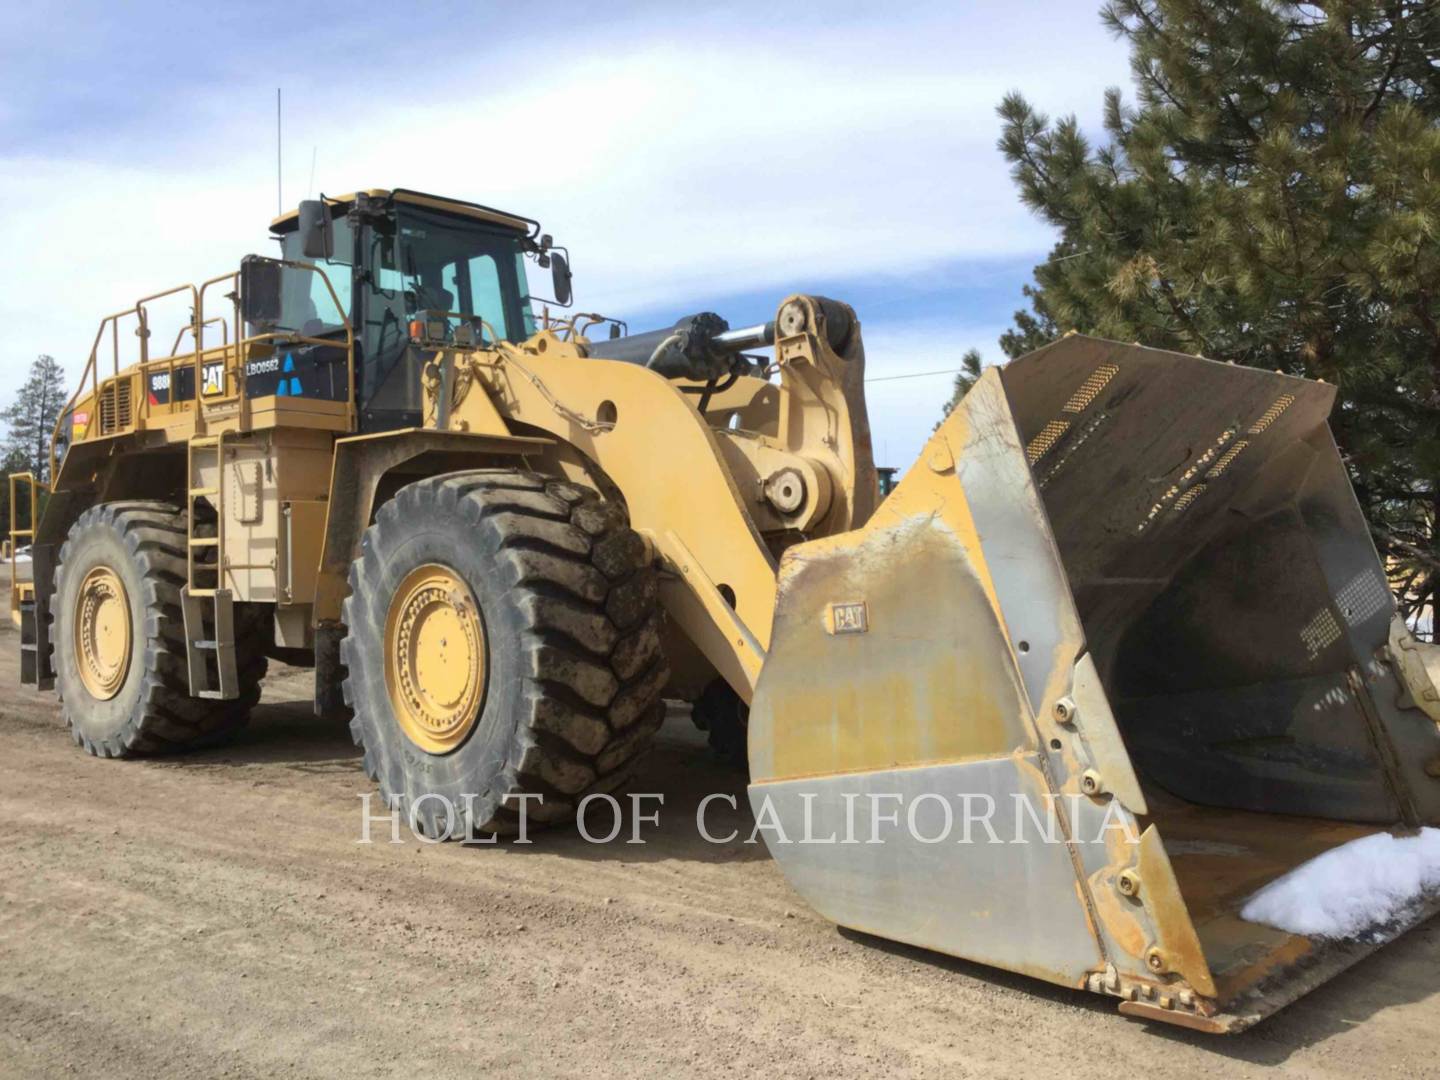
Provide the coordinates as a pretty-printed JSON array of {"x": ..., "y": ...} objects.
[
  {"x": 725, "y": 719},
  {"x": 562, "y": 647},
  {"x": 119, "y": 638}
]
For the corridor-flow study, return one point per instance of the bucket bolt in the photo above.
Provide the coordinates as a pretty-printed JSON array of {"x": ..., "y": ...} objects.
[
  {"x": 1091, "y": 784},
  {"x": 1128, "y": 883},
  {"x": 1065, "y": 711},
  {"x": 1156, "y": 961}
]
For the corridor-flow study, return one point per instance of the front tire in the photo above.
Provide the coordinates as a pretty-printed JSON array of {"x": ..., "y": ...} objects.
[
  {"x": 119, "y": 637},
  {"x": 502, "y": 642}
]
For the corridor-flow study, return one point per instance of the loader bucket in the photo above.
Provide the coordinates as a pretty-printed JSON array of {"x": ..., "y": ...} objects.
[{"x": 1126, "y": 602}]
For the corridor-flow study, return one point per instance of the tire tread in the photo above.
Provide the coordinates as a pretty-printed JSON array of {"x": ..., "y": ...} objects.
[
  {"x": 591, "y": 655},
  {"x": 165, "y": 718}
]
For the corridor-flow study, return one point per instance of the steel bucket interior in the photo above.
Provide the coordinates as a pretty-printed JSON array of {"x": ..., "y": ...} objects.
[{"x": 1237, "y": 613}]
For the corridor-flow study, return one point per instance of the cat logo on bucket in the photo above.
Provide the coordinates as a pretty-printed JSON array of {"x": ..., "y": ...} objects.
[{"x": 851, "y": 618}]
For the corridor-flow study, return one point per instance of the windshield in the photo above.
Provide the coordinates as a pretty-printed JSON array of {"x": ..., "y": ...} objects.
[
  {"x": 439, "y": 262},
  {"x": 424, "y": 261}
]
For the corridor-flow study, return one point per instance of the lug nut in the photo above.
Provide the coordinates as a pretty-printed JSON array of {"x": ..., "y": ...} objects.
[
  {"x": 1155, "y": 960},
  {"x": 1128, "y": 883},
  {"x": 1090, "y": 782},
  {"x": 1065, "y": 711}
]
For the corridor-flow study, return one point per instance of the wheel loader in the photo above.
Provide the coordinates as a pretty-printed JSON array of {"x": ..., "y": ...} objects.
[{"x": 1128, "y": 585}]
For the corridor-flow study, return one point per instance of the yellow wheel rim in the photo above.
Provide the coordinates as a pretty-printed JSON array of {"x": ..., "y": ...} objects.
[
  {"x": 435, "y": 658},
  {"x": 102, "y": 633}
]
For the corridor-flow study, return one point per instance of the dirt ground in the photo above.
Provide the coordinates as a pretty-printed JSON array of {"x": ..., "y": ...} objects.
[{"x": 214, "y": 915}]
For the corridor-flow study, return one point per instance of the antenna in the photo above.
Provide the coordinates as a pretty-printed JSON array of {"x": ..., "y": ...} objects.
[{"x": 279, "y": 196}]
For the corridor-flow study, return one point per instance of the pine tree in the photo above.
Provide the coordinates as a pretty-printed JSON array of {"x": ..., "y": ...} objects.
[
  {"x": 31, "y": 419},
  {"x": 1271, "y": 198},
  {"x": 969, "y": 373}
]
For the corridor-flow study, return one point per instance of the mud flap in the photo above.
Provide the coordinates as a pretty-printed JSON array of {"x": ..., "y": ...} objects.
[{"x": 1124, "y": 603}]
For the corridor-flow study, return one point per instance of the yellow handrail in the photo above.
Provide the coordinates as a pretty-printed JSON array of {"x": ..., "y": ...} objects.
[
  {"x": 236, "y": 342},
  {"x": 16, "y": 533},
  {"x": 224, "y": 331}
]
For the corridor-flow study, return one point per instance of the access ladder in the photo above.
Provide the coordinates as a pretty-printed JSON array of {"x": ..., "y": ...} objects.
[{"x": 207, "y": 606}]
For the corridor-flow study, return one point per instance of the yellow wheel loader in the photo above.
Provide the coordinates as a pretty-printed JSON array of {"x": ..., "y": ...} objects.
[{"x": 1127, "y": 592}]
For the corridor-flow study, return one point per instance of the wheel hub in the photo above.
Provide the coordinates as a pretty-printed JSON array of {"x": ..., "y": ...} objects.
[
  {"x": 102, "y": 632},
  {"x": 435, "y": 658}
]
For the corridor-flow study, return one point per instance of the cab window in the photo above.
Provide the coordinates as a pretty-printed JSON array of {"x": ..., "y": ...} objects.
[
  {"x": 474, "y": 285},
  {"x": 306, "y": 305}
]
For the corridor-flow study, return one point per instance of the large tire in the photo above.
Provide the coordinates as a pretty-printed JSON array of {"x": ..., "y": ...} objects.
[
  {"x": 140, "y": 545},
  {"x": 567, "y": 695}
]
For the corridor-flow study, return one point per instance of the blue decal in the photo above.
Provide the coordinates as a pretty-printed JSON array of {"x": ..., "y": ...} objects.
[{"x": 293, "y": 387}]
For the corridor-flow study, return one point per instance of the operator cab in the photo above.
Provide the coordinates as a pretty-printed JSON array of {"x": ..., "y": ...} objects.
[{"x": 406, "y": 269}]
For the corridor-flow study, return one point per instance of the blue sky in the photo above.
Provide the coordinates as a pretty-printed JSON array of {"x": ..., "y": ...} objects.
[{"x": 691, "y": 156}]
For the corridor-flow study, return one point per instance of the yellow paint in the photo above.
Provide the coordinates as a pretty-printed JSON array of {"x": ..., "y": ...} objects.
[
  {"x": 435, "y": 658},
  {"x": 102, "y": 632},
  {"x": 494, "y": 217},
  {"x": 939, "y": 494},
  {"x": 925, "y": 682}
]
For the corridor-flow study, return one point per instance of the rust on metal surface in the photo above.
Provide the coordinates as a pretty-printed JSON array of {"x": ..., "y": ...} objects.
[{"x": 1140, "y": 1010}]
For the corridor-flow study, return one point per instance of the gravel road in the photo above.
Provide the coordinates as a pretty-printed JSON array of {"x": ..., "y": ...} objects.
[{"x": 214, "y": 915}]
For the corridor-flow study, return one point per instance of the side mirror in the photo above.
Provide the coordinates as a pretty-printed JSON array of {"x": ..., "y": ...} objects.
[
  {"x": 560, "y": 277},
  {"x": 260, "y": 290},
  {"x": 317, "y": 233}
]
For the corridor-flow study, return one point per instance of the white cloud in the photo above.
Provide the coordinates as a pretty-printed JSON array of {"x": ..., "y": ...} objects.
[{"x": 679, "y": 161}]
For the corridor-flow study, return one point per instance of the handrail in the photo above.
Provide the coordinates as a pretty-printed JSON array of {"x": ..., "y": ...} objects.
[
  {"x": 35, "y": 486},
  {"x": 459, "y": 316},
  {"x": 224, "y": 330},
  {"x": 91, "y": 372},
  {"x": 197, "y": 325},
  {"x": 144, "y": 331},
  {"x": 234, "y": 295}
]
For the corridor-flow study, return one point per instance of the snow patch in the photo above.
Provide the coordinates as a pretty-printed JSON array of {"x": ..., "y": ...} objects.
[{"x": 1365, "y": 885}]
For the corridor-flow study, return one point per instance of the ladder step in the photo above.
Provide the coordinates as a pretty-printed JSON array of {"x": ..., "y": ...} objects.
[
  {"x": 200, "y": 442},
  {"x": 204, "y": 541},
  {"x": 197, "y": 492},
  {"x": 225, "y": 686}
]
